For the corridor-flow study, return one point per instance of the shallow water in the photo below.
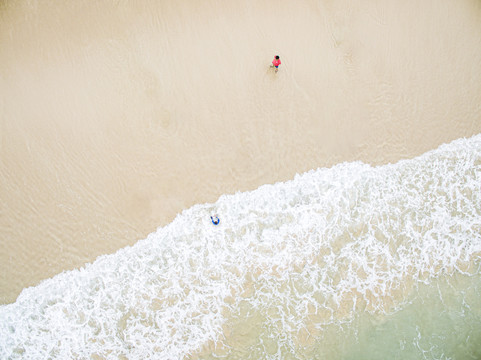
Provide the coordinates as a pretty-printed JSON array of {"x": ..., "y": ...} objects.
[{"x": 343, "y": 263}]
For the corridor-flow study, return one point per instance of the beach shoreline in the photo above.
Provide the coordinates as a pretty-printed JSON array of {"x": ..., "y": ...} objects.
[{"x": 116, "y": 117}]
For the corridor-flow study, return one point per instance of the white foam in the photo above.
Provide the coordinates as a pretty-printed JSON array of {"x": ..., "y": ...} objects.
[{"x": 296, "y": 255}]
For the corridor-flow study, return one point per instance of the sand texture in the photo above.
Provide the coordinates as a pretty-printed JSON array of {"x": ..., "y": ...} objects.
[{"x": 117, "y": 115}]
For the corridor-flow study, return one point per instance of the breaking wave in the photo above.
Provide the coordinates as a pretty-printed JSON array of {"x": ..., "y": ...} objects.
[{"x": 290, "y": 266}]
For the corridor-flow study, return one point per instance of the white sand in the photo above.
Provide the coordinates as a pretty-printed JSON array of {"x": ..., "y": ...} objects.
[{"x": 114, "y": 117}]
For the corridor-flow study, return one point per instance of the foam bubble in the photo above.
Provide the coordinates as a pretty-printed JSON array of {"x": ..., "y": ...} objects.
[{"x": 287, "y": 262}]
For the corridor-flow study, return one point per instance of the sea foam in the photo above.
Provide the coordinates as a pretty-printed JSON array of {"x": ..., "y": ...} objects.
[{"x": 287, "y": 263}]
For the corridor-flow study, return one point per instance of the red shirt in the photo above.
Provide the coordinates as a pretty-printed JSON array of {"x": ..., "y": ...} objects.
[{"x": 276, "y": 62}]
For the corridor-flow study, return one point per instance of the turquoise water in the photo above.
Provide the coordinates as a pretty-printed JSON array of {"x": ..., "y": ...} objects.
[
  {"x": 351, "y": 262},
  {"x": 441, "y": 321}
]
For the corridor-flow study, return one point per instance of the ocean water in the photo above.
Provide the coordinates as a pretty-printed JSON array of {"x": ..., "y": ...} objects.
[{"x": 349, "y": 262}]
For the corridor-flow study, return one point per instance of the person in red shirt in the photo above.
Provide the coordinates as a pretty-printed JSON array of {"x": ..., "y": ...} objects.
[{"x": 276, "y": 62}]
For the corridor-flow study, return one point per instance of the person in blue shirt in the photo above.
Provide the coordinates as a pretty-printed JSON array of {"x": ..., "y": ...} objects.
[{"x": 215, "y": 220}]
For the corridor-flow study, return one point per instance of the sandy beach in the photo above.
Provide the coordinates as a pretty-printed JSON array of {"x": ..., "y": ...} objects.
[{"x": 116, "y": 116}]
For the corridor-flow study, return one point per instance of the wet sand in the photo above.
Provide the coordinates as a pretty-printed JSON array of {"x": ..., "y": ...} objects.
[{"x": 115, "y": 117}]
